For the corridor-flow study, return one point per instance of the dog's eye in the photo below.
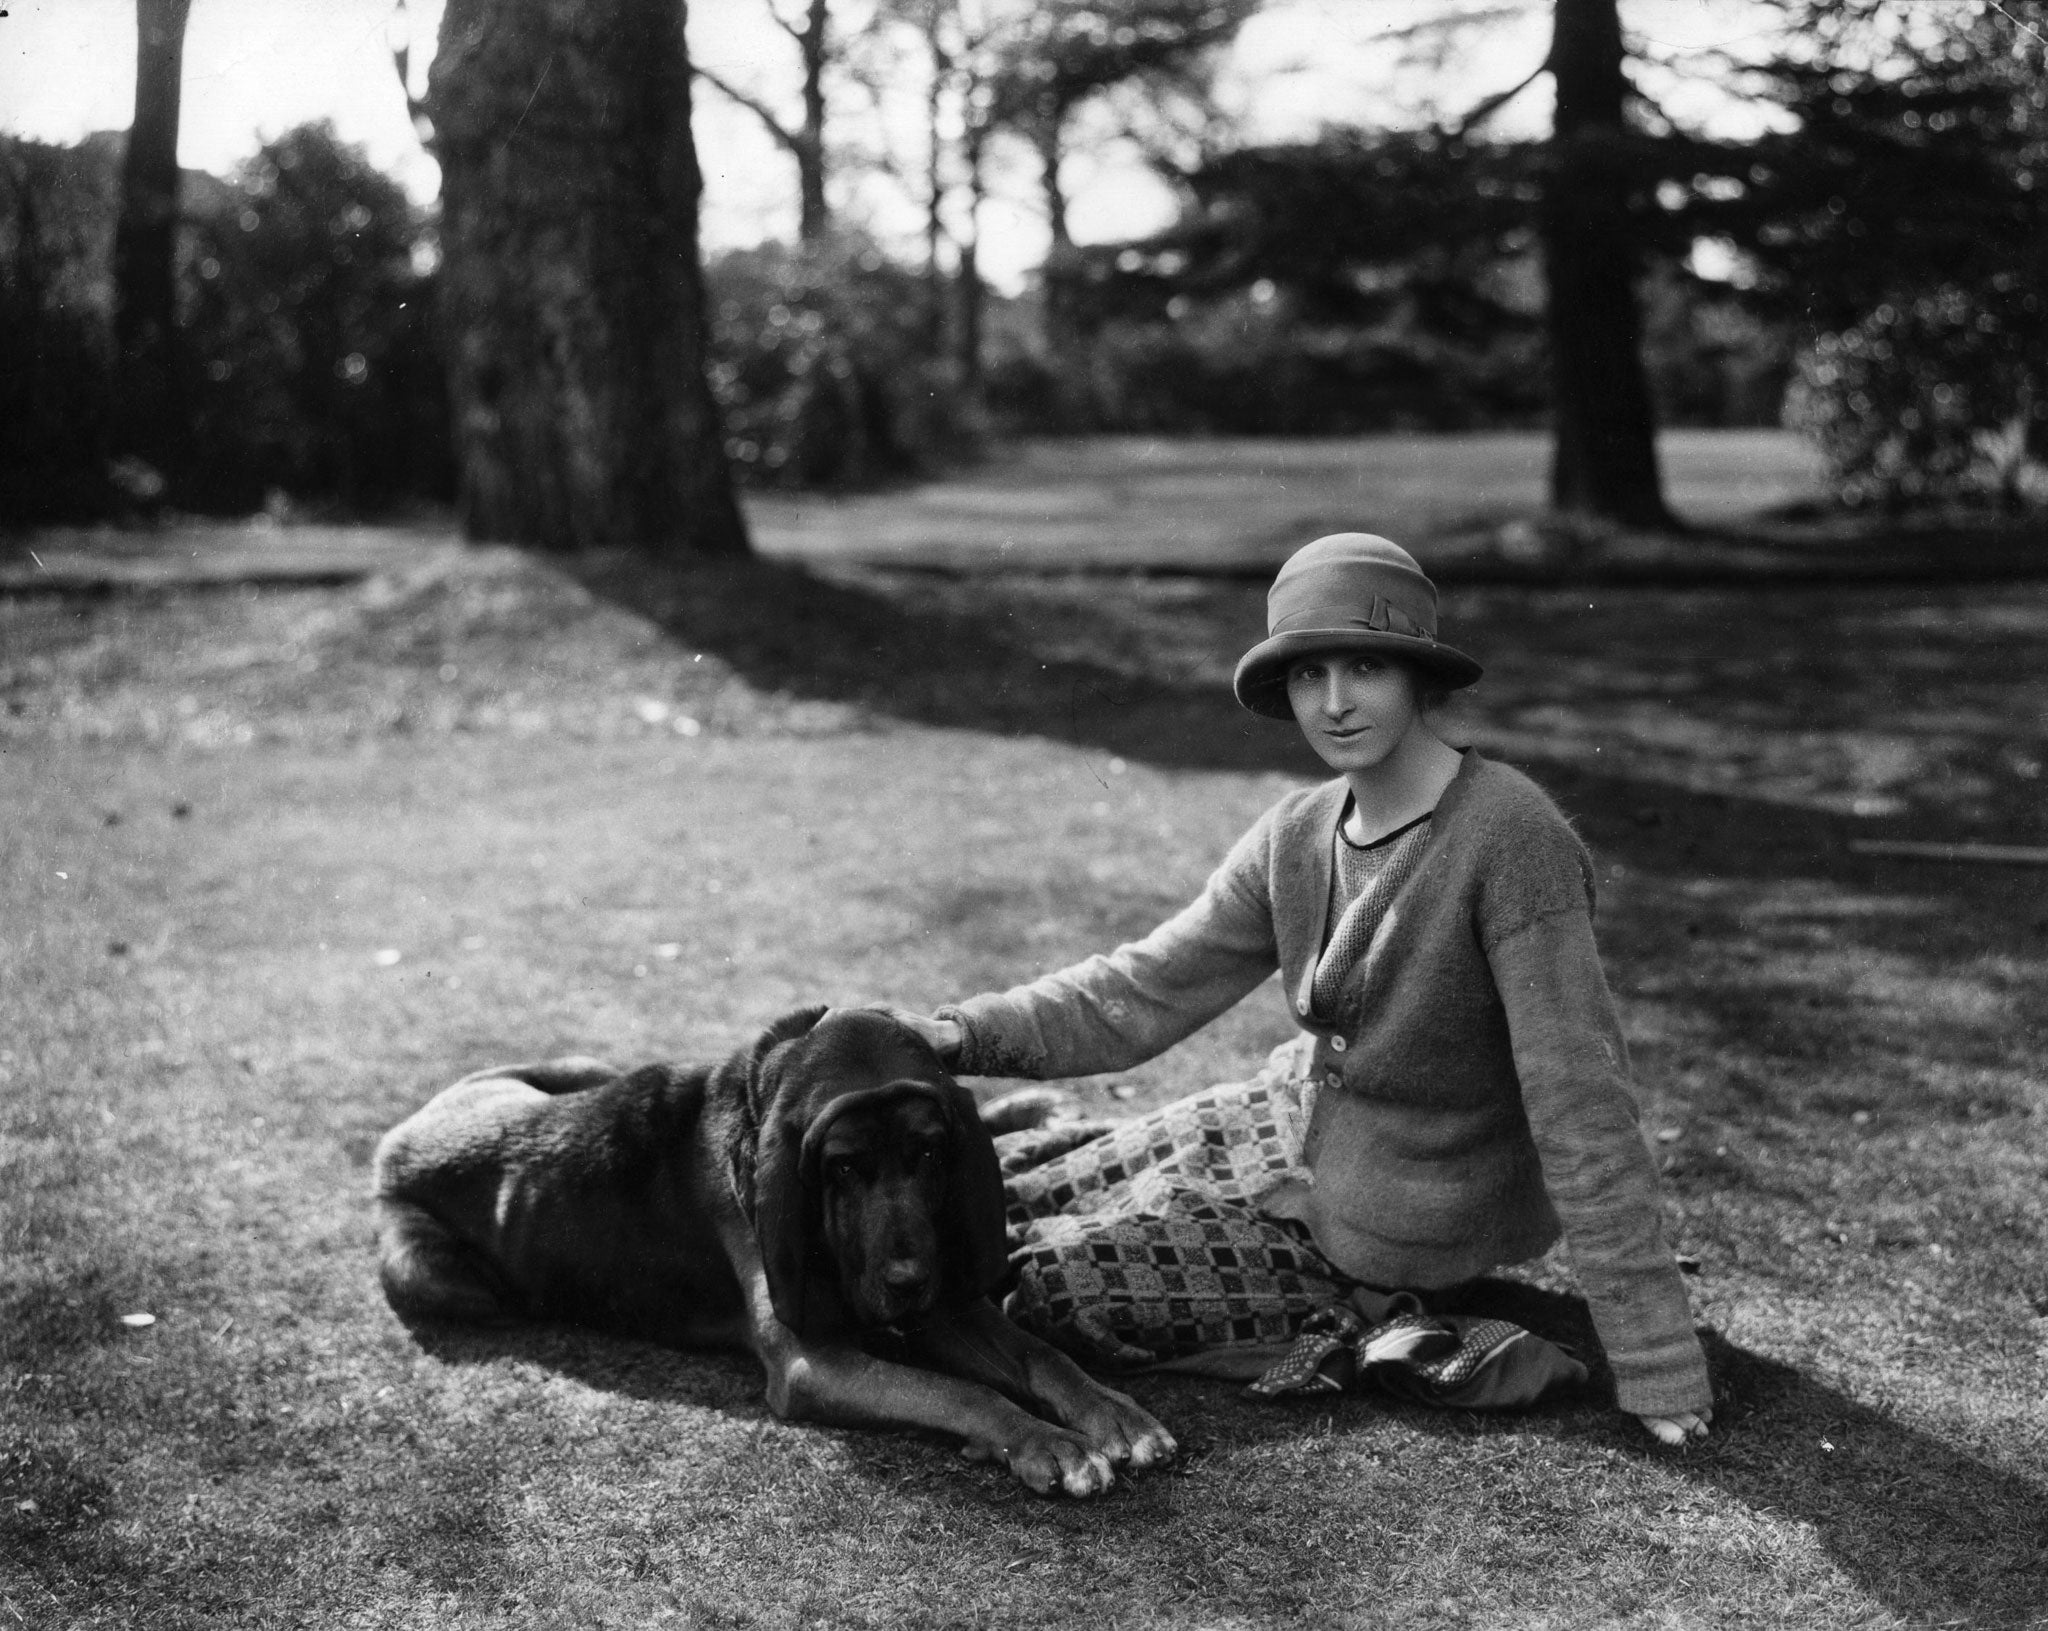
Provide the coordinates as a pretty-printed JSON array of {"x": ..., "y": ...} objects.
[
  {"x": 839, "y": 1169},
  {"x": 928, "y": 1153}
]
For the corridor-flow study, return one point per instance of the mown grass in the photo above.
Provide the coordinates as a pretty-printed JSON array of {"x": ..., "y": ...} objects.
[
  {"x": 1238, "y": 503},
  {"x": 640, "y": 814}
]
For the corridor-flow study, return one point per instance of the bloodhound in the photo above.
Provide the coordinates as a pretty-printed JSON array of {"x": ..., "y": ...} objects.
[{"x": 825, "y": 1188}]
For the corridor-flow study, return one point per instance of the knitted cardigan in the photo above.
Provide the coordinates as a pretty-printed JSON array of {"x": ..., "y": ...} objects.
[{"x": 1474, "y": 1095}]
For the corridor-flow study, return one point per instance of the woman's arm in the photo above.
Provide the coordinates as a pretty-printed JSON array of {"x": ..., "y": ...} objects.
[
  {"x": 1582, "y": 1113},
  {"x": 1115, "y": 1011}
]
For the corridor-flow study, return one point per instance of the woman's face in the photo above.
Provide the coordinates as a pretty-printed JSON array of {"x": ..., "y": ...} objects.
[{"x": 1354, "y": 707}]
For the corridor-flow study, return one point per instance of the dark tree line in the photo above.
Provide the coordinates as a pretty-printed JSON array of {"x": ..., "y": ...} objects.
[{"x": 1897, "y": 220}]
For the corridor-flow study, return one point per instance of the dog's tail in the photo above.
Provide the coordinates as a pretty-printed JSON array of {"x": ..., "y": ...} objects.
[{"x": 575, "y": 1074}]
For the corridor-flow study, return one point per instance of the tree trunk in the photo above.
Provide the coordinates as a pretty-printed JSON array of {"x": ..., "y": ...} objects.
[
  {"x": 935, "y": 200},
  {"x": 812, "y": 221},
  {"x": 1065, "y": 342},
  {"x": 145, "y": 242},
  {"x": 968, "y": 291},
  {"x": 1604, "y": 461},
  {"x": 572, "y": 288}
]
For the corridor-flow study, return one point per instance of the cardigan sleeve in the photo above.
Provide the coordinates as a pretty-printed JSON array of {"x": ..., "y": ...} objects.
[
  {"x": 1573, "y": 1068},
  {"x": 1110, "y": 1012}
]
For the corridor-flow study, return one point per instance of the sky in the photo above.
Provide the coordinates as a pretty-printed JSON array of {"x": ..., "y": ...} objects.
[{"x": 255, "y": 68}]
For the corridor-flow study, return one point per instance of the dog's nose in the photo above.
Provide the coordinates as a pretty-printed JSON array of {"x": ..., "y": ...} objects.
[{"x": 905, "y": 1277}]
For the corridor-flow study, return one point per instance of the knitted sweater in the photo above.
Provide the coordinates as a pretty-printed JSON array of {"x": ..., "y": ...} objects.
[{"x": 1474, "y": 1094}]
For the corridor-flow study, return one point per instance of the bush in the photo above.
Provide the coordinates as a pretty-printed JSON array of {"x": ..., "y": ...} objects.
[
  {"x": 307, "y": 336},
  {"x": 1248, "y": 364},
  {"x": 55, "y": 221},
  {"x": 822, "y": 363},
  {"x": 306, "y": 364},
  {"x": 1941, "y": 397}
]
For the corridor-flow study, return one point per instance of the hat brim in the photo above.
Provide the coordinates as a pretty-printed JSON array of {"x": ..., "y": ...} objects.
[{"x": 1261, "y": 678}]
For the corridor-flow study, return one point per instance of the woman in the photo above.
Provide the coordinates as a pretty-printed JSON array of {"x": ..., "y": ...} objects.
[{"x": 1459, "y": 1096}]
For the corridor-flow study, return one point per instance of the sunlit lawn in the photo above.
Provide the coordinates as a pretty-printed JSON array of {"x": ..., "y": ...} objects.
[
  {"x": 1147, "y": 502},
  {"x": 641, "y": 814}
]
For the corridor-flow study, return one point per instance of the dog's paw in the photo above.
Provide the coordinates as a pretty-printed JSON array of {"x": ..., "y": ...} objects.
[
  {"x": 1049, "y": 1460},
  {"x": 1125, "y": 1432}
]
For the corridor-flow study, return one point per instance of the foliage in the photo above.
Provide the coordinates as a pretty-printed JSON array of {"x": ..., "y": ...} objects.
[
  {"x": 56, "y": 220},
  {"x": 304, "y": 297},
  {"x": 1245, "y": 364},
  {"x": 1712, "y": 358},
  {"x": 1894, "y": 215},
  {"x": 1932, "y": 397},
  {"x": 824, "y": 367},
  {"x": 1354, "y": 224},
  {"x": 1057, "y": 53},
  {"x": 308, "y": 327},
  {"x": 1376, "y": 281},
  {"x": 1901, "y": 213}
]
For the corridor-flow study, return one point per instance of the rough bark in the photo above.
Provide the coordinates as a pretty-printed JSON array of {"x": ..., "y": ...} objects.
[
  {"x": 145, "y": 235},
  {"x": 572, "y": 283},
  {"x": 1604, "y": 461}
]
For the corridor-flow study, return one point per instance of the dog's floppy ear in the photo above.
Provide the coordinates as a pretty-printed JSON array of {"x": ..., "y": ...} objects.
[
  {"x": 782, "y": 1221},
  {"x": 787, "y": 1029},
  {"x": 978, "y": 1253}
]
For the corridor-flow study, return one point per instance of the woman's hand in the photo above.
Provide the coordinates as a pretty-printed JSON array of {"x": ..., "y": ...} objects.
[
  {"x": 944, "y": 1035},
  {"x": 1680, "y": 1429}
]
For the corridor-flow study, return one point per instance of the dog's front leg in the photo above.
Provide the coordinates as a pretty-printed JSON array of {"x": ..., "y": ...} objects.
[
  {"x": 840, "y": 1384},
  {"x": 847, "y": 1387},
  {"x": 980, "y": 1343}
]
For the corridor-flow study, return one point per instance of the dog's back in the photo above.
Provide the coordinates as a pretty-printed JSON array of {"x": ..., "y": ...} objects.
[{"x": 562, "y": 1191}]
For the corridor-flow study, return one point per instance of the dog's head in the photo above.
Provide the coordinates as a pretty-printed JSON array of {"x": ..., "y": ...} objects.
[{"x": 876, "y": 1191}]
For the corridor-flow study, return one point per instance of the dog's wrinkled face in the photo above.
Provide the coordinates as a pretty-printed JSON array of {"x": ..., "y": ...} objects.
[
  {"x": 877, "y": 1196},
  {"x": 882, "y": 1175}
]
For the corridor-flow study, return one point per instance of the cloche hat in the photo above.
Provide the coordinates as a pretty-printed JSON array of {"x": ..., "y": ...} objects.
[{"x": 1350, "y": 591}]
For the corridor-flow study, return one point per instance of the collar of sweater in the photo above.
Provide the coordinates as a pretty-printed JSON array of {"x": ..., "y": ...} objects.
[{"x": 1325, "y": 811}]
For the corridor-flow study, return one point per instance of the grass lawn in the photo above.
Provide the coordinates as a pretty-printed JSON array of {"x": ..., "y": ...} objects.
[
  {"x": 1243, "y": 503},
  {"x": 276, "y": 864}
]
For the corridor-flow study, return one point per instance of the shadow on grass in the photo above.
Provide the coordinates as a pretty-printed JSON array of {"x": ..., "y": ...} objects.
[
  {"x": 1936, "y": 1534},
  {"x": 707, "y": 1379},
  {"x": 972, "y": 662},
  {"x": 782, "y": 628}
]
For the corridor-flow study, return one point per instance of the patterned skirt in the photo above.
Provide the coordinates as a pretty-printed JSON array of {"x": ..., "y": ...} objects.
[{"x": 1145, "y": 1241}]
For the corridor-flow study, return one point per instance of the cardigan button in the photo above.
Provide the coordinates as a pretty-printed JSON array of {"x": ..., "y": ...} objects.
[
  {"x": 1338, "y": 1044},
  {"x": 1333, "y": 1080}
]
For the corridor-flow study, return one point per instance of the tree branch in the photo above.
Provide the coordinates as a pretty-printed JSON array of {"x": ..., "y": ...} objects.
[
  {"x": 759, "y": 109},
  {"x": 1493, "y": 104},
  {"x": 401, "y": 59},
  {"x": 775, "y": 15}
]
